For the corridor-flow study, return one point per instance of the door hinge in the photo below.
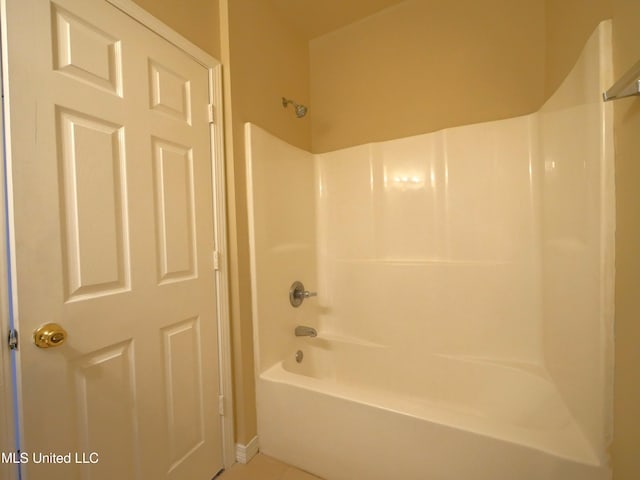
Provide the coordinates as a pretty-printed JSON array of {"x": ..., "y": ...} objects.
[
  {"x": 216, "y": 260},
  {"x": 13, "y": 339},
  {"x": 212, "y": 113},
  {"x": 221, "y": 405}
]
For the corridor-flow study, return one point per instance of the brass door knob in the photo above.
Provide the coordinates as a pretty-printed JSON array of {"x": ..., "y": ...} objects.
[{"x": 49, "y": 335}]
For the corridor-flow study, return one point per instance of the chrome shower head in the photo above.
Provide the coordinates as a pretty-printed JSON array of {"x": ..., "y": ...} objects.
[{"x": 301, "y": 110}]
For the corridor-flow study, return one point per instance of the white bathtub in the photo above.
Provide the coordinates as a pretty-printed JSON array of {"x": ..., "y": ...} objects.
[{"x": 353, "y": 410}]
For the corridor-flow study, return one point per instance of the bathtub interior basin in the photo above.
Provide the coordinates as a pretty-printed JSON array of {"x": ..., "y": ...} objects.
[{"x": 509, "y": 402}]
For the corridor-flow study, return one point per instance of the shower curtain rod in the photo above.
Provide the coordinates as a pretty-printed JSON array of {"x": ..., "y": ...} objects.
[{"x": 628, "y": 85}]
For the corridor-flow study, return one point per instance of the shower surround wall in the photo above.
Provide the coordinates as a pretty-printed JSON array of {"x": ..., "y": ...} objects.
[
  {"x": 430, "y": 244},
  {"x": 465, "y": 295}
]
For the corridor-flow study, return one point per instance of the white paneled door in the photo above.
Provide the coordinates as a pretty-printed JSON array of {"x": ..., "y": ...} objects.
[{"x": 110, "y": 183}]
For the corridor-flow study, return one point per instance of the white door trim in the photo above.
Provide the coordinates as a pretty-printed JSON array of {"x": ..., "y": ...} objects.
[
  {"x": 222, "y": 283},
  {"x": 219, "y": 197},
  {"x": 7, "y": 424}
]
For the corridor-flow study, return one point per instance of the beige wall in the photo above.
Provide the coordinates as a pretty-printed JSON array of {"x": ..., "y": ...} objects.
[
  {"x": 264, "y": 60},
  {"x": 197, "y": 20},
  {"x": 626, "y": 443},
  {"x": 268, "y": 61},
  {"x": 568, "y": 24},
  {"x": 425, "y": 65}
]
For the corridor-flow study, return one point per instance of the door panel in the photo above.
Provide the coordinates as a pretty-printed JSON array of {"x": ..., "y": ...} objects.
[
  {"x": 174, "y": 201},
  {"x": 105, "y": 389},
  {"x": 111, "y": 184},
  {"x": 85, "y": 52},
  {"x": 183, "y": 387},
  {"x": 95, "y": 244}
]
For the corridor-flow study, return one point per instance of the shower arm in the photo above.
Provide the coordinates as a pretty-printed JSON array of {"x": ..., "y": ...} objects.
[{"x": 301, "y": 110}]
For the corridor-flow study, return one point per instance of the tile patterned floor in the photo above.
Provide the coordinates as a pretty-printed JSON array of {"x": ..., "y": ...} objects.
[{"x": 262, "y": 467}]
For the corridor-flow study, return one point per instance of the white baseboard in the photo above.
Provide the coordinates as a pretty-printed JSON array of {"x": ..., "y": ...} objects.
[{"x": 244, "y": 453}]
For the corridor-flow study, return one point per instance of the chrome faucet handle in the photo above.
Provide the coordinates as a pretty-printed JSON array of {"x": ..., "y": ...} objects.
[{"x": 297, "y": 294}]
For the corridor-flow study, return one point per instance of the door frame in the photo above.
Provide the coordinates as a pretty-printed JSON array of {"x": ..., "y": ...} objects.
[{"x": 8, "y": 425}]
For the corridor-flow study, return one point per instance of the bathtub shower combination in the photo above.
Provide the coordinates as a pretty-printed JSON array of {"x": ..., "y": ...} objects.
[{"x": 465, "y": 296}]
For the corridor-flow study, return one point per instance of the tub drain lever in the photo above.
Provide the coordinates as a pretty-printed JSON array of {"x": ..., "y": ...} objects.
[{"x": 297, "y": 293}]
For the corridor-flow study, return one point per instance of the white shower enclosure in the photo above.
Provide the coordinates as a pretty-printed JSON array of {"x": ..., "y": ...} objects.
[{"x": 465, "y": 295}]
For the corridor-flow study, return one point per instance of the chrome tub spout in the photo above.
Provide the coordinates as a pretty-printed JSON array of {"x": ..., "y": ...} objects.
[{"x": 302, "y": 331}]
